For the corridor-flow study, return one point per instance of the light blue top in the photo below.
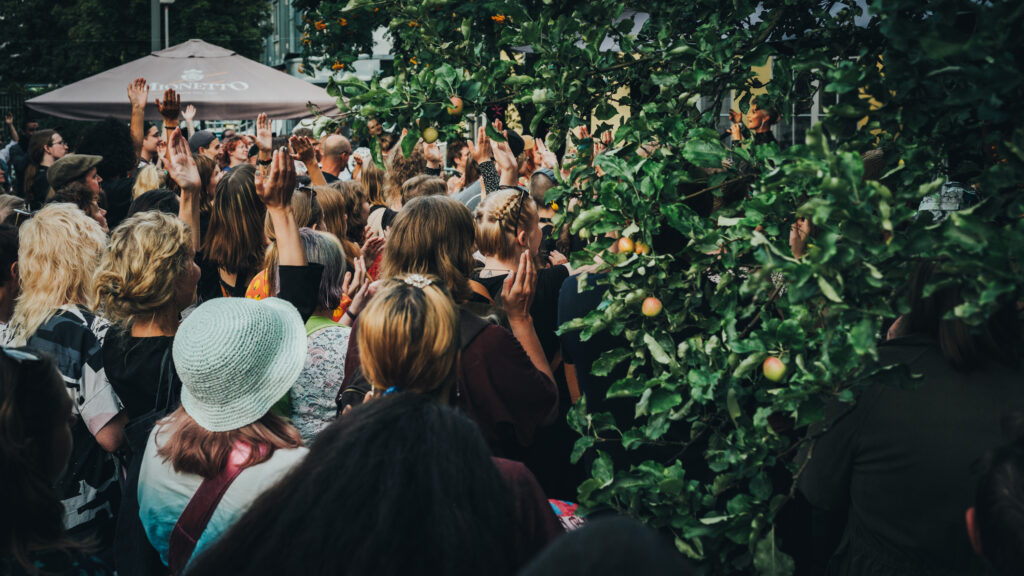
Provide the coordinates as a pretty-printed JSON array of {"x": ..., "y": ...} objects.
[{"x": 164, "y": 493}]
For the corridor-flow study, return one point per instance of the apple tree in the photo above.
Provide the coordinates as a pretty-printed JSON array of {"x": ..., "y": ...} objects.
[{"x": 931, "y": 86}]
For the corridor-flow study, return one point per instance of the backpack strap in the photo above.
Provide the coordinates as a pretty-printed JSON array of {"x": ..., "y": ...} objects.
[{"x": 193, "y": 521}]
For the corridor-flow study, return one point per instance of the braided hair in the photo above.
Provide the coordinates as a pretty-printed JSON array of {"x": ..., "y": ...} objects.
[{"x": 499, "y": 219}]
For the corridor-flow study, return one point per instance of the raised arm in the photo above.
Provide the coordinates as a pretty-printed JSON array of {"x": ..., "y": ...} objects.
[
  {"x": 9, "y": 120},
  {"x": 275, "y": 190},
  {"x": 138, "y": 93},
  {"x": 302, "y": 150},
  {"x": 265, "y": 140},
  {"x": 182, "y": 169},
  {"x": 169, "y": 109},
  {"x": 189, "y": 114}
]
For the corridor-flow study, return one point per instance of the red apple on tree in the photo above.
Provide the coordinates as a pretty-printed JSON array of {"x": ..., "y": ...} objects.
[
  {"x": 773, "y": 368},
  {"x": 456, "y": 106},
  {"x": 651, "y": 307},
  {"x": 625, "y": 245}
]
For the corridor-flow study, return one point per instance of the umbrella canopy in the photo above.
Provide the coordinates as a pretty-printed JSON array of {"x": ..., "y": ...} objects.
[{"x": 221, "y": 85}]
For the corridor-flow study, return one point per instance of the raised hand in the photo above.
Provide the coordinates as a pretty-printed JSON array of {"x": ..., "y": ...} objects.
[
  {"x": 302, "y": 149},
  {"x": 353, "y": 281},
  {"x": 518, "y": 289},
  {"x": 481, "y": 149},
  {"x": 276, "y": 188},
  {"x": 189, "y": 114},
  {"x": 138, "y": 93},
  {"x": 505, "y": 159},
  {"x": 432, "y": 153},
  {"x": 181, "y": 167},
  {"x": 372, "y": 246},
  {"x": 8, "y": 118},
  {"x": 264, "y": 137},
  {"x": 169, "y": 107}
]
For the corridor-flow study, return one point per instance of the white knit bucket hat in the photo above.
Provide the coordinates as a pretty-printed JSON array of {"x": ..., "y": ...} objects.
[{"x": 236, "y": 358}]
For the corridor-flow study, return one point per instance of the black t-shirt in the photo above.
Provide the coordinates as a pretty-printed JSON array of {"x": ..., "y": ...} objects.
[
  {"x": 545, "y": 303},
  {"x": 117, "y": 193},
  {"x": 137, "y": 367},
  {"x": 211, "y": 286}
]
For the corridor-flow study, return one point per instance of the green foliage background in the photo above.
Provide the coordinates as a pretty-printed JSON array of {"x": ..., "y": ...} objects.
[
  {"x": 922, "y": 81},
  {"x": 58, "y": 43}
]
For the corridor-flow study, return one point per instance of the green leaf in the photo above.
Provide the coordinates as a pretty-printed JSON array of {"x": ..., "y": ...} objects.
[
  {"x": 657, "y": 352},
  {"x": 603, "y": 470},
  {"x": 494, "y": 134},
  {"x": 582, "y": 444},
  {"x": 828, "y": 291},
  {"x": 769, "y": 560}
]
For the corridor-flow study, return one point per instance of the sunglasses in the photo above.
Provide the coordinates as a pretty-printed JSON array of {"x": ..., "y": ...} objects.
[
  {"x": 20, "y": 356},
  {"x": 21, "y": 216}
]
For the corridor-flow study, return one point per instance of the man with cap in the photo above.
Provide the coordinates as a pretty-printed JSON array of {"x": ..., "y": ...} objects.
[
  {"x": 74, "y": 179},
  {"x": 205, "y": 143}
]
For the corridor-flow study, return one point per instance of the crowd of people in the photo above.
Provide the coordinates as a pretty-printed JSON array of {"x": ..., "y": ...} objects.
[{"x": 266, "y": 354}]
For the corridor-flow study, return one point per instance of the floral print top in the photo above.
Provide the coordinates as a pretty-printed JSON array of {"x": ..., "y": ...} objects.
[{"x": 312, "y": 397}]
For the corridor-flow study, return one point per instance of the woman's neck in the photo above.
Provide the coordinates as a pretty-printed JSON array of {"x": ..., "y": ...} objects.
[
  {"x": 493, "y": 264},
  {"x": 324, "y": 313},
  {"x": 161, "y": 323},
  {"x": 47, "y": 160}
]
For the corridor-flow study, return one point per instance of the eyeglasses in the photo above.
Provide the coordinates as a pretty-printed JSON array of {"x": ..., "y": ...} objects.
[
  {"x": 59, "y": 143},
  {"x": 308, "y": 190},
  {"x": 21, "y": 216},
  {"x": 20, "y": 356}
]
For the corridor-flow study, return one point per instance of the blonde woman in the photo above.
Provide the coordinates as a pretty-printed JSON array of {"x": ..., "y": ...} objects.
[
  {"x": 146, "y": 277},
  {"x": 507, "y": 227},
  {"x": 59, "y": 248},
  {"x": 149, "y": 178},
  {"x": 506, "y": 384}
]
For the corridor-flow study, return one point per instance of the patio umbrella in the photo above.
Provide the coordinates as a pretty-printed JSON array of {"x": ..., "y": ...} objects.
[{"x": 221, "y": 84}]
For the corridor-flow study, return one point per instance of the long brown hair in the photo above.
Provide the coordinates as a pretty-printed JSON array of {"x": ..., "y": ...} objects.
[
  {"x": 372, "y": 179},
  {"x": 32, "y": 397},
  {"x": 207, "y": 168},
  {"x": 353, "y": 196},
  {"x": 192, "y": 449},
  {"x": 36, "y": 150},
  {"x": 332, "y": 201},
  {"x": 235, "y": 239},
  {"x": 433, "y": 235}
]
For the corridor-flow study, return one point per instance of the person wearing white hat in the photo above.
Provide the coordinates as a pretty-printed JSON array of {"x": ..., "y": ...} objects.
[{"x": 206, "y": 463}]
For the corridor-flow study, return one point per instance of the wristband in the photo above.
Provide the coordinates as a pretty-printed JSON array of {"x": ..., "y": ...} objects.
[{"x": 264, "y": 162}]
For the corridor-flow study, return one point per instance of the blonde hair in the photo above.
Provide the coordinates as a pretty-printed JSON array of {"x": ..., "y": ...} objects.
[
  {"x": 432, "y": 235},
  {"x": 59, "y": 248},
  {"x": 496, "y": 225},
  {"x": 409, "y": 337},
  {"x": 140, "y": 267},
  {"x": 149, "y": 178},
  {"x": 423, "y": 185}
]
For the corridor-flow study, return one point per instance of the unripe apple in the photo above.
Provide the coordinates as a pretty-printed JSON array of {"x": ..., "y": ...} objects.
[
  {"x": 651, "y": 307},
  {"x": 430, "y": 135},
  {"x": 773, "y": 368},
  {"x": 625, "y": 245},
  {"x": 456, "y": 107}
]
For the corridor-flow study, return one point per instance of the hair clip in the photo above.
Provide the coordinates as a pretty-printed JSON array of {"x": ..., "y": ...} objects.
[{"x": 418, "y": 280}]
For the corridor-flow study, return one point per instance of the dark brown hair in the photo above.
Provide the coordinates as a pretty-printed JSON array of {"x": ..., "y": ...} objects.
[{"x": 235, "y": 239}]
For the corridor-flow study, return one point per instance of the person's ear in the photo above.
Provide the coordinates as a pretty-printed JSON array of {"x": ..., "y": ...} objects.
[
  {"x": 14, "y": 270},
  {"x": 522, "y": 238},
  {"x": 972, "y": 530}
]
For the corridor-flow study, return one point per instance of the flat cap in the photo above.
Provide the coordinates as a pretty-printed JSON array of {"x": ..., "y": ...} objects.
[{"x": 71, "y": 167}]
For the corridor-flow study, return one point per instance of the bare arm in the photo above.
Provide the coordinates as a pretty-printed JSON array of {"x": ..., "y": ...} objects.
[
  {"x": 9, "y": 119},
  {"x": 169, "y": 109},
  {"x": 138, "y": 93},
  {"x": 189, "y": 114},
  {"x": 275, "y": 190},
  {"x": 302, "y": 150},
  {"x": 111, "y": 436},
  {"x": 182, "y": 169}
]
